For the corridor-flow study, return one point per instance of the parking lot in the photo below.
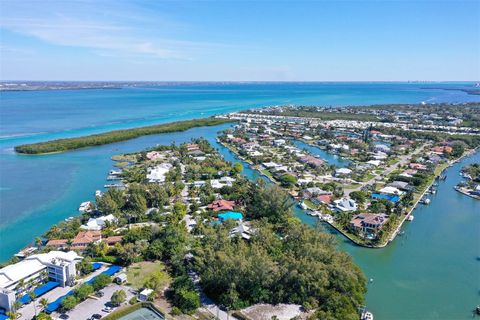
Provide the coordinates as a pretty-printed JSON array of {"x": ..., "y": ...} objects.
[{"x": 92, "y": 306}]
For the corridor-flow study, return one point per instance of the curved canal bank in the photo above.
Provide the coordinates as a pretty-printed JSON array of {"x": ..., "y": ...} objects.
[{"x": 429, "y": 272}]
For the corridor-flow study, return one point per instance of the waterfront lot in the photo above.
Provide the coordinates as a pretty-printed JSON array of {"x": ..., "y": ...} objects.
[{"x": 95, "y": 305}]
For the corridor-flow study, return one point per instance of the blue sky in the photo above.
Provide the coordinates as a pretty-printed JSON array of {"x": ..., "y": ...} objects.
[{"x": 240, "y": 40}]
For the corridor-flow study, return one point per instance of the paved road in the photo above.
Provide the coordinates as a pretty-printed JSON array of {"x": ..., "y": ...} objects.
[
  {"x": 403, "y": 160},
  {"x": 206, "y": 302}
]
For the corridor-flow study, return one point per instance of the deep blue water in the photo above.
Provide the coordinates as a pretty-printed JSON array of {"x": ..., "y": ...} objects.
[{"x": 432, "y": 273}]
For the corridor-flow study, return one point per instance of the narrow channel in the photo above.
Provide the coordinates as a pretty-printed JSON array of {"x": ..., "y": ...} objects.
[{"x": 417, "y": 276}]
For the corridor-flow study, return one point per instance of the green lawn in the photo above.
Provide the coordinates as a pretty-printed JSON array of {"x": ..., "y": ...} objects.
[
  {"x": 310, "y": 204},
  {"x": 138, "y": 272}
]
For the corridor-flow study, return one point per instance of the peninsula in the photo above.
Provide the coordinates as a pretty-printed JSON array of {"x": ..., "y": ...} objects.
[{"x": 389, "y": 159}]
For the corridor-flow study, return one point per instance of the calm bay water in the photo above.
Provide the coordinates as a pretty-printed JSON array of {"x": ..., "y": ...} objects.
[{"x": 430, "y": 273}]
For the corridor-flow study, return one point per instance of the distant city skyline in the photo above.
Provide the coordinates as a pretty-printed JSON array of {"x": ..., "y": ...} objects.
[{"x": 240, "y": 41}]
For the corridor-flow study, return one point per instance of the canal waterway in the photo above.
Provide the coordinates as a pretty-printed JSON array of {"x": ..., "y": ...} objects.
[{"x": 432, "y": 272}]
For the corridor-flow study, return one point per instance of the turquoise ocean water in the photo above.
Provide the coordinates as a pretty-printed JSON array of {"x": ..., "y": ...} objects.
[{"x": 430, "y": 273}]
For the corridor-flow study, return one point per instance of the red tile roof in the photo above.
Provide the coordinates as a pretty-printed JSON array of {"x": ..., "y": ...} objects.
[
  {"x": 84, "y": 238},
  {"x": 220, "y": 205}
]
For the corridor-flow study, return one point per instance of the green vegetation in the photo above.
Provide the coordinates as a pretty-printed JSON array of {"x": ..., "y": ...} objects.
[
  {"x": 118, "y": 297},
  {"x": 140, "y": 274},
  {"x": 62, "y": 145},
  {"x": 473, "y": 171},
  {"x": 286, "y": 262},
  {"x": 69, "y": 303},
  {"x": 184, "y": 295},
  {"x": 101, "y": 281},
  {"x": 283, "y": 261},
  {"x": 313, "y": 112}
]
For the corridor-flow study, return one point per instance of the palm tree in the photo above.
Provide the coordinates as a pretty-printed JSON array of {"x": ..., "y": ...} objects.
[
  {"x": 17, "y": 305},
  {"x": 38, "y": 242},
  {"x": 44, "y": 302},
  {"x": 52, "y": 233},
  {"x": 69, "y": 244},
  {"x": 32, "y": 296},
  {"x": 21, "y": 285}
]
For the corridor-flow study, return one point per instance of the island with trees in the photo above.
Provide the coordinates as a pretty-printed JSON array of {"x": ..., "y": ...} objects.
[{"x": 62, "y": 145}]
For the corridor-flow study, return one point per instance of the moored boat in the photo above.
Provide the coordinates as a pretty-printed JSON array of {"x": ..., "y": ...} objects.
[
  {"x": 85, "y": 206},
  {"x": 366, "y": 315}
]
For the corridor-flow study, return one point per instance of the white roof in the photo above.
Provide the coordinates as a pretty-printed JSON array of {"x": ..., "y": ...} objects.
[
  {"x": 146, "y": 292},
  {"x": 33, "y": 264},
  {"x": 270, "y": 164},
  {"x": 343, "y": 171},
  {"x": 391, "y": 190},
  {"x": 346, "y": 204},
  {"x": 376, "y": 163},
  {"x": 158, "y": 173},
  {"x": 98, "y": 223}
]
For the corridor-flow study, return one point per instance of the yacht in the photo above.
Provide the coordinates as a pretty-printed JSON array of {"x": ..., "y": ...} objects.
[
  {"x": 366, "y": 315},
  {"x": 85, "y": 206}
]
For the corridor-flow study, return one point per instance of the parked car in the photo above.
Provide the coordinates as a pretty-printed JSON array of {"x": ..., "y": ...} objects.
[
  {"x": 107, "y": 309},
  {"x": 64, "y": 316},
  {"x": 96, "y": 316}
]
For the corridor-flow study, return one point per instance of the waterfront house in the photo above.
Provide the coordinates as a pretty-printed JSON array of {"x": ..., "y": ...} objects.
[
  {"x": 196, "y": 153},
  {"x": 84, "y": 238},
  {"x": 157, "y": 174},
  {"x": 192, "y": 147},
  {"x": 408, "y": 173},
  {"x": 314, "y": 191},
  {"x": 58, "y": 243},
  {"x": 323, "y": 199},
  {"x": 154, "y": 155},
  {"x": 345, "y": 204},
  {"x": 98, "y": 223},
  {"x": 221, "y": 205},
  {"x": 269, "y": 165},
  {"x": 314, "y": 162},
  {"x": 442, "y": 149},
  {"x": 368, "y": 225},
  {"x": 391, "y": 190},
  {"x": 417, "y": 166},
  {"x": 401, "y": 185}
]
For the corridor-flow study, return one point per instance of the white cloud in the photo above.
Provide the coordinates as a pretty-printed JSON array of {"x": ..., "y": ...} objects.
[{"x": 104, "y": 30}]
